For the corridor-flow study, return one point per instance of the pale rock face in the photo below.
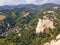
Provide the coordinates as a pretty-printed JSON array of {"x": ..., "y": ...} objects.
[
  {"x": 57, "y": 42},
  {"x": 58, "y": 37},
  {"x": 46, "y": 43},
  {"x": 2, "y": 17},
  {"x": 39, "y": 28},
  {"x": 56, "y": 7},
  {"x": 19, "y": 34},
  {"x": 54, "y": 42},
  {"x": 44, "y": 23},
  {"x": 44, "y": 12},
  {"x": 50, "y": 12},
  {"x": 26, "y": 14}
]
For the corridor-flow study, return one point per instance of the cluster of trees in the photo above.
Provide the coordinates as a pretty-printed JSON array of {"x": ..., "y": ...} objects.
[{"x": 28, "y": 36}]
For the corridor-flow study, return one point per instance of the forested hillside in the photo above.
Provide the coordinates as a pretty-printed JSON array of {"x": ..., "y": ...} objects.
[{"x": 18, "y": 25}]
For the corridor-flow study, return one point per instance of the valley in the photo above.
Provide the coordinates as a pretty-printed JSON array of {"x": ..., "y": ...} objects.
[{"x": 30, "y": 24}]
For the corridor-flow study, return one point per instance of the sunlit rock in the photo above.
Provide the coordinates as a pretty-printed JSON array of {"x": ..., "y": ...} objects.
[
  {"x": 44, "y": 12},
  {"x": 25, "y": 14},
  {"x": 2, "y": 17},
  {"x": 54, "y": 41},
  {"x": 46, "y": 43},
  {"x": 44, "y": 23},
  {"x": 58, "y": 36},
  {"x": 50, "y": 12},
  {"x": 19, "y": 34},
  {"x": 56, "y": 7}
]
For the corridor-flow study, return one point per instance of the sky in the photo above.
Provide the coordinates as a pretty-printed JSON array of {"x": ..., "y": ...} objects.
[{"x": 37, "y": 2}]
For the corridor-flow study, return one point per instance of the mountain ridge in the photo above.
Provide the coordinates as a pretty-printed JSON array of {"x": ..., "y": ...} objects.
[{"x": 28, "y": 6}]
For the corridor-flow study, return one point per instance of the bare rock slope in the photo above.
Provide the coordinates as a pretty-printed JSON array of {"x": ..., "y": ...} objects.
[{"x": 44, "y": 23}]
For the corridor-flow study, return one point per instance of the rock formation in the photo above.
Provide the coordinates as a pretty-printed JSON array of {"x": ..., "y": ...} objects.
[
  {"x": 44, "y": 23},
  {"x": 2, "y": 22},
  {"x": 54, "y": 41}
]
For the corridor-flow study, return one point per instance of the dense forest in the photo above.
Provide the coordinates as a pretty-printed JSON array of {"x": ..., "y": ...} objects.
[{"x": 17, "y": 25}]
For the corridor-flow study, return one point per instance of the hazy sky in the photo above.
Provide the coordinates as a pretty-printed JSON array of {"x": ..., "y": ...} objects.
[{"x": 16, "y": 2}]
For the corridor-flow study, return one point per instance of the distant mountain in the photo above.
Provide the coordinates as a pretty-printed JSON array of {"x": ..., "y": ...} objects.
[
  {"x": 20, "y": 23},
  {"x": 19, "y": 6},
  {"x": 47, "y": 5}
]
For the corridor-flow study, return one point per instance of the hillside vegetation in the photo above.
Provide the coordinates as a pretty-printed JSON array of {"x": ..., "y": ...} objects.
[{"x": 18, "y": 25}]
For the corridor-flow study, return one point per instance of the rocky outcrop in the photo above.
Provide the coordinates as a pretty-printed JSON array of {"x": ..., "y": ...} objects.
[
  {"x": 25, "y": 14},
  {"x": 44, "y": 23},
  {"x": 56, "y": 7},
  {"x": 54, "y": 41},
  {"x": 50, "y": 11},
  {"x": 2, "y": 21},
  {"x": 12, "y": 30},
  {"x": 2, "y": 17}
]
